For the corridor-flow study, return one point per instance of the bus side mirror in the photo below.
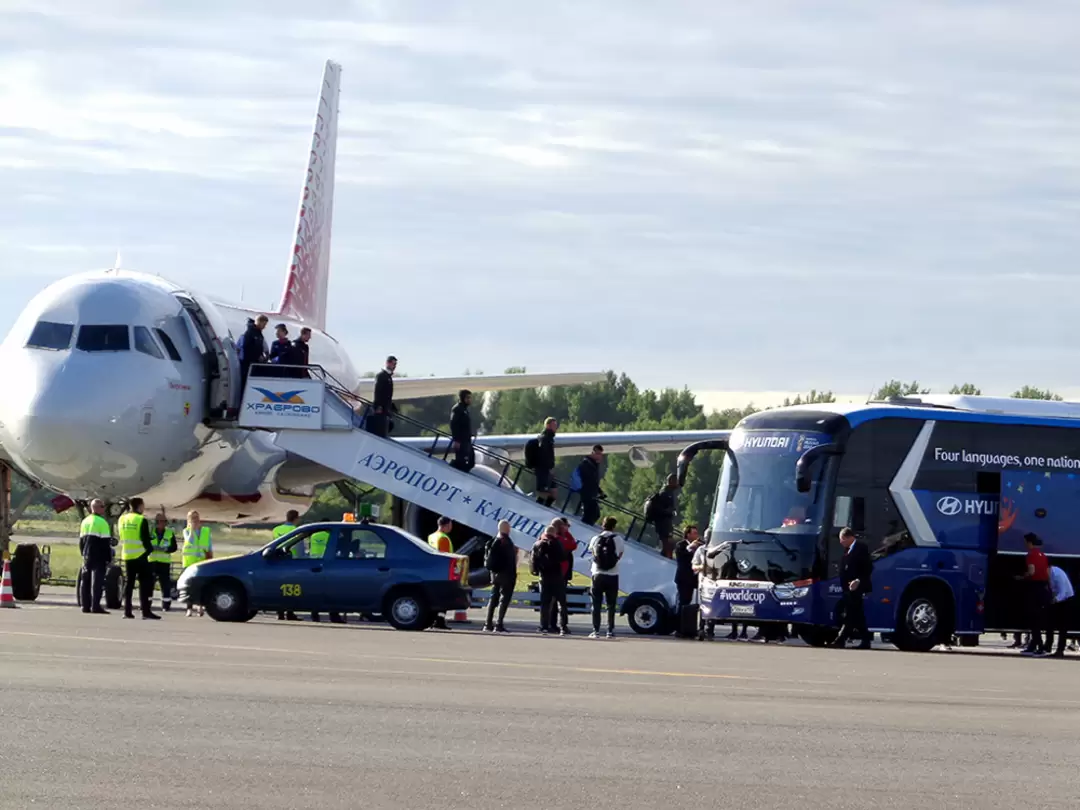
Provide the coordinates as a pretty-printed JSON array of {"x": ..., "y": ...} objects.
[
  {"x": 682, "y": 466},
  {"x": 806, "y": 461}
]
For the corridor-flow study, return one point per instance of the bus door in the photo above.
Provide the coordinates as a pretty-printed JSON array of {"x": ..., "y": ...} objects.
[{"x": 1003, "y": 600}]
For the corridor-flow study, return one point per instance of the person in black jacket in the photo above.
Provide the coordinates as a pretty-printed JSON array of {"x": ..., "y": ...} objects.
[
  {"x": 281, "y": 351},
  {"x": 382, "y": 402},
  {"x": 252, "y": 348},
  {"x": 547, "y": 560},
  {"x": 686, "y": 580},
  {"x": 545, "y": 463},
  {"x": 500, "y": 559},
  {"x": 300, "y": 353},
  {"x": 461, "y": 434},
  {"x": 662, "y": 513},
  {"x": 590, "y": 492},
  {"x": 855, "y": 571}
]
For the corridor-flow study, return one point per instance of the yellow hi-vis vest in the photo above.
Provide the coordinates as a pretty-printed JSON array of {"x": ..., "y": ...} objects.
[
  {"x": 317, "y": 544},
  {"x": 95, "y": 526},
  {"x": 196, "y": 546},
  {"x": 161, "y": 545},
  {"x": 440, "y": 541},
  {"x": 130, "y": 528},
  {"x": 284, "y": 529}
]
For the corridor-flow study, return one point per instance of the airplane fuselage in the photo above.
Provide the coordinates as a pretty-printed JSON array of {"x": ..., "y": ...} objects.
[{"x": 90, "y": 417}]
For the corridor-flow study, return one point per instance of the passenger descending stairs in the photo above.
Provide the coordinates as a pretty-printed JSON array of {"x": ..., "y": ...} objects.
[{"x": 328, "y": 433}]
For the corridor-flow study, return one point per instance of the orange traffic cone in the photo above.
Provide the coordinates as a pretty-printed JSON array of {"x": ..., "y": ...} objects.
[{"x": 7, "y": 596}]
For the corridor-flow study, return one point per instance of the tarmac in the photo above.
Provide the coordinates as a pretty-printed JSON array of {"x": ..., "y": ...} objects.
[{"x": 189, "y": 713}]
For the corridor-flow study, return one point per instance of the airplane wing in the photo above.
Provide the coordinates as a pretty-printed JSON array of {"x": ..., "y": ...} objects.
[
  {"x": 639, "y": 444},
  {"x": 417, "y": 387}
]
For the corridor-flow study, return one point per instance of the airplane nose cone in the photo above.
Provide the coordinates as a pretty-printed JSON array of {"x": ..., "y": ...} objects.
[{"x": 73, "y": 428}]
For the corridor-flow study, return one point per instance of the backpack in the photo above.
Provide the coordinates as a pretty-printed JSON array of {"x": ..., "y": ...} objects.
[
  {"x": 532, "y": 453},
  {"x": 575, "y": 480},
  {"x": 606, "y": 556},
  {"x": 543, "y": 557},
  {"x": 651, "y": 504}
]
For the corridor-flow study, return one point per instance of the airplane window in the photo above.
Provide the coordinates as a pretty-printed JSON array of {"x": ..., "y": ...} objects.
[
  {"x": 102, "y": 338},
  {"x": 145, "y": 343},
  {"x": 49, "y": 335},
  {"x": 170, "y": 347}
]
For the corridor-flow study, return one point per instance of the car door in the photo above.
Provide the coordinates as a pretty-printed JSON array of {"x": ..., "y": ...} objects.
[
  {"x": 360, "y": 569},
  {"x": 290, "y": 578}
]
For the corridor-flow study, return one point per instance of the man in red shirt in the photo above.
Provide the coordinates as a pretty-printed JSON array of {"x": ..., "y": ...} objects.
[
  {"x": 569, "y": 546},
  {"x": 1037, "y": 577}
]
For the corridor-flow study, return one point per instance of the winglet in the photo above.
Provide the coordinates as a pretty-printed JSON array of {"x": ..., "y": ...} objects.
[{"x": 307, "y": 281}]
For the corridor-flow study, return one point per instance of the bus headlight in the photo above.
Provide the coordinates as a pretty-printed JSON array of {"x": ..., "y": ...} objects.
[{"x": 786, "y": 592}]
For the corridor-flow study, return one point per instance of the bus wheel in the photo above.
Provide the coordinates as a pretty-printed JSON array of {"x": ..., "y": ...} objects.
[
  {"x": 920, "y": 626},
  {"x": 817, "y": 636},
  {"x": 645, "y": 617}
]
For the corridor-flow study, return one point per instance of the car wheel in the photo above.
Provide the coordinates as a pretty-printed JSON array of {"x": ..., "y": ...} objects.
[
  {"x": 646, "y": 617},
  {"x": 226, "y": 601},
  {"x": 407, "y": 610},
  {"x": 114, "y": 587},
  {"x": 920, "y": 622}
]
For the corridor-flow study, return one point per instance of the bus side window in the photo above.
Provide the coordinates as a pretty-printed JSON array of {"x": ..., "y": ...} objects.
[
  {"x": 858, "y": 515},
  {"x": 842, "y": 512}
]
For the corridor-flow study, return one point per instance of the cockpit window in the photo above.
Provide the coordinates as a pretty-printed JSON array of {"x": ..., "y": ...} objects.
[
  {"x": 49, "y": 335},
  {"x": 170, "y": 347},
  {"x": 144, "y": 343},
  {"x": 103, "y": 338}
]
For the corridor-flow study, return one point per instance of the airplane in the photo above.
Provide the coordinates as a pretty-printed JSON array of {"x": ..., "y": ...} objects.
[{"x": 124, "y": 384}]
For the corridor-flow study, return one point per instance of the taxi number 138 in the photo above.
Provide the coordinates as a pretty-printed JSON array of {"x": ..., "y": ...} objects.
[{"x": 289, "y": 589}]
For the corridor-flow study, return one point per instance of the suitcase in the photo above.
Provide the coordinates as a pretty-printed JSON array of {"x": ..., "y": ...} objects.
[{"x": 688, "y": 621}]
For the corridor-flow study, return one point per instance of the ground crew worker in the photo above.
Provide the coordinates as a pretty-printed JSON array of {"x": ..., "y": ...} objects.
[
  {"x": 317, "y": 550},
  {"x": 135, "y": 548},
  {"x": 164, "y": 541},
  {"x": 441, "y": 542},
  {"x": 198, "y": 546},
  {"x": 95, "y": 545},
  {"x": 291, "y": 517}
]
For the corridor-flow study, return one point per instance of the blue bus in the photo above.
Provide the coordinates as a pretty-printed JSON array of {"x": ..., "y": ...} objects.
[{"x": 941, "y": 488}]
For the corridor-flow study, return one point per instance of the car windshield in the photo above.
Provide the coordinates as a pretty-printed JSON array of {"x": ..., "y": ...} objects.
[{"x": 767, "y": 529}]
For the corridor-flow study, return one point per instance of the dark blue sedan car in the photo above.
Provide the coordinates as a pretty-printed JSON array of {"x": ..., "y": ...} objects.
[{"x": 334, "y": 567}]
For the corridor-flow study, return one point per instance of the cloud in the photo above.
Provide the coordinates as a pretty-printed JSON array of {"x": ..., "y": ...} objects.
[{"x": 697, "y": 194}]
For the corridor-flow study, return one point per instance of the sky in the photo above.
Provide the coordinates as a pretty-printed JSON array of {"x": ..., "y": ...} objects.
[{"x": 727, "y": 196}]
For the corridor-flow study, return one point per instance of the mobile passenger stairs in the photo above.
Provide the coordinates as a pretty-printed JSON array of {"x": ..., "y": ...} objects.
[{"x": 313, "y": 416}]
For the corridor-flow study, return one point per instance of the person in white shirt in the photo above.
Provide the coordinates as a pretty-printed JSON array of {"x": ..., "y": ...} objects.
[
  {"x": 1061, "y": 610},
  {"x": 606, "y": 549}
]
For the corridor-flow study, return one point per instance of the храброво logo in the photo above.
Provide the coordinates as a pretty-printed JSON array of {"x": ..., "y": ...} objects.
[{"x": 282, "y": 397}]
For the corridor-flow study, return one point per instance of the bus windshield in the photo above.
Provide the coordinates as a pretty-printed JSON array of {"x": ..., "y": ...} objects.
[{"x": 759, "y": 509}]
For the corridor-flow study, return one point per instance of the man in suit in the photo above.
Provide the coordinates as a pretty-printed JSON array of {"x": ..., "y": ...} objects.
[
  {"x": 382, "y": 403},
  {"x": 855, "y": 569}
]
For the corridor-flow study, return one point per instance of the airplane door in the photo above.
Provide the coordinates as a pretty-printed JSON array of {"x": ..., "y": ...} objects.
[{"x": 223, "y": 362}]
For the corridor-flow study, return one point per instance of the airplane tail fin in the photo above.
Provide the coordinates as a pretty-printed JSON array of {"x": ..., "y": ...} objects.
[{"x": 307, "y": 282}]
